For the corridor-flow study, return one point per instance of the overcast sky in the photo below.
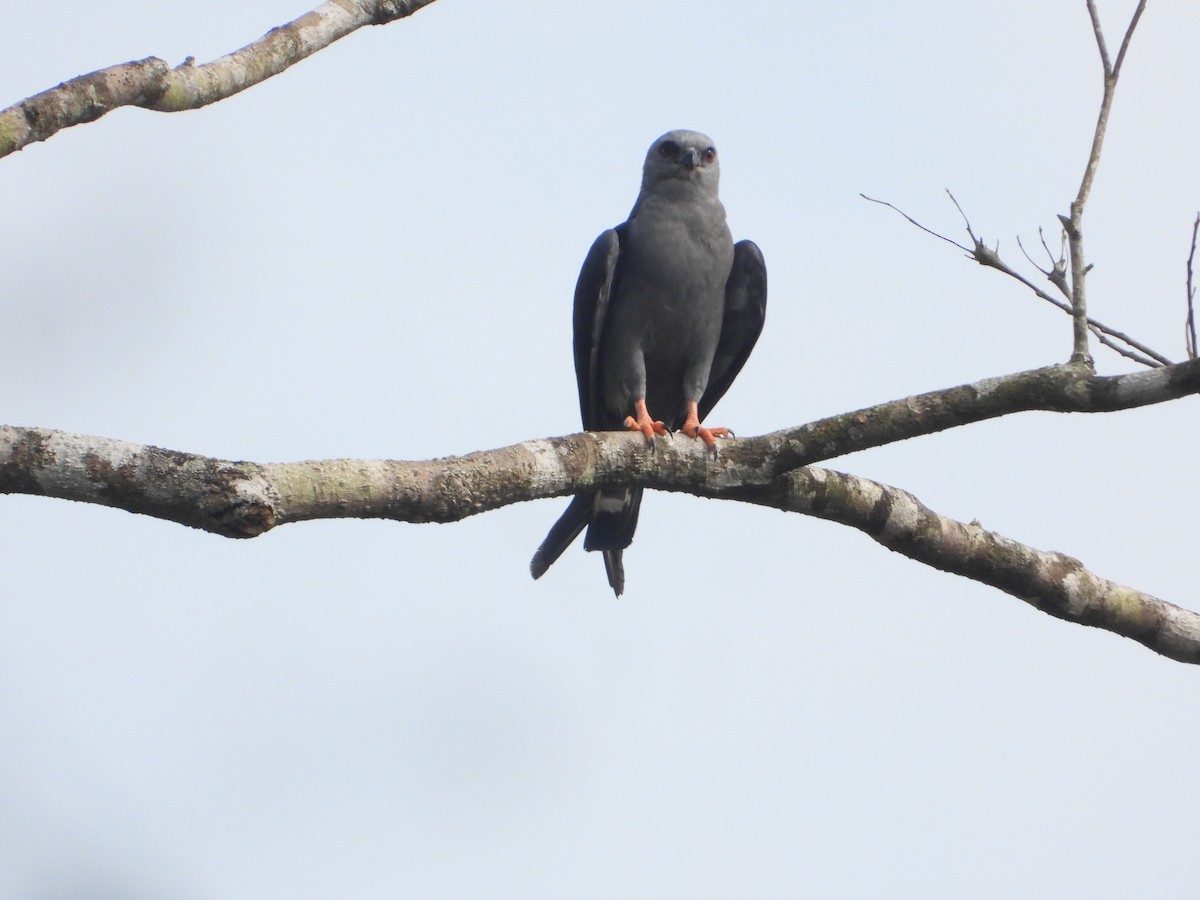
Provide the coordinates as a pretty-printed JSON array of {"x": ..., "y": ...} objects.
[{"x": 373, "y": 255}]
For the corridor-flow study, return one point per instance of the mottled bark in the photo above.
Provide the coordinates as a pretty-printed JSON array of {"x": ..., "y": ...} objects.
[
  {"x": 243, "y": 499},
  {"x": 152, "y": 84},
  {"x": 1052, "y": 582}
]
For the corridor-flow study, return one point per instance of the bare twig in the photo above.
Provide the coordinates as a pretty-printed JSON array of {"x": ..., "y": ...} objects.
[
  {"x": 986, "y": 256},
  {"x": 1057, "y": 273},
  {"x": 152, "y": 84},
  {"x": 1137, "y": 14},
  {"x": 1073, "y": 224},
  {"x": 966, "y": 221},
  {"x": 1190, "y": 333},
  {"x": 1099, "y": 32},
  {"x": 1030, "y": 259},
  {"x": 1124, "y": 351},
  {"x": 912, "y": 221}
]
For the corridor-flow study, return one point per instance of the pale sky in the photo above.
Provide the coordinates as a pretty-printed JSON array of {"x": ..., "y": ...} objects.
[{"x": 373, "y": 255}]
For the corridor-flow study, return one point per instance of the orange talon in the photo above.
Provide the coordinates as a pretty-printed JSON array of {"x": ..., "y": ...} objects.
[
  {"x": 693, "y": 429},
  {"x": 643, "y": 423}
]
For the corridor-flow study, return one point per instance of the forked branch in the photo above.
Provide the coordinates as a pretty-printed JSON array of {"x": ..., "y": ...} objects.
[
  {"x": 1073, "y": 224},
  {"x": 989, "y": 257}
]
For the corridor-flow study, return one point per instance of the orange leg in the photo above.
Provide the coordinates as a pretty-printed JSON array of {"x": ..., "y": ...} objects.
[
  {"x": 643, "y": 423},
  {"x": 693, "y": 429}
]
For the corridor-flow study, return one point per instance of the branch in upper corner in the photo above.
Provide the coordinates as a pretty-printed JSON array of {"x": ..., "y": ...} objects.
[
  {"x": 1112, "y": 338},
  {"x": 1190, "y": 329},
  {"x": 152, "y": 84},
  {"x": 1052, "y": 582}
]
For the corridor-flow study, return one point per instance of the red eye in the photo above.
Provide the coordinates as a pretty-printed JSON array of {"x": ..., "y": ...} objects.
[
  {"x": 710, "y": 154},
  {"x": 668, "y": 149}
]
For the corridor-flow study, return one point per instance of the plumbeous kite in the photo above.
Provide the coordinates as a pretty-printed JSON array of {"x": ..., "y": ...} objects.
[{"x": 667, "y": 309}]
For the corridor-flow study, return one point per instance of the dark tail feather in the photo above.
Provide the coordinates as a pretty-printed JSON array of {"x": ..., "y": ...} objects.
[
  {"x": 610, "y": 518},
  {"x": 614, "y": 521},
  {"x": 615, "y": 570},
  {"x": 573, "y": 520}
]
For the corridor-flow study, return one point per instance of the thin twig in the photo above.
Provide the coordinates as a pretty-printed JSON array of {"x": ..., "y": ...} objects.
[
  {"x": 966, "y": 221},
  {"x": 1073, "y": 224},
  {"x": 912, "y": 221},
  {"x": 989, "y": 258},
  {"x": 1059, "y": 276},
  {"x": 1137, "y": 14},
  {"x": 1099, "y": 32},
  {"x": 1046, "y": 272},
  {"x": 1190, "y": 334},
  {"x": 1127, "y": 353}
]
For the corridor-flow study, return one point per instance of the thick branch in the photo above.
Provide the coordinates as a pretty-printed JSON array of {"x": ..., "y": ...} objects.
[
  {"x": 239, "y": 499},
  {"x": 1053, "y": 389},
  {"x": 242, "y": 499},
  {"x": 152, "y": 84},
  {"x": 1051, "y": 582}
]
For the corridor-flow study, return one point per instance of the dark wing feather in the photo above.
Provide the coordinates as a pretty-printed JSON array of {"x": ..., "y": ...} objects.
[
  {"x": 745, "y": 311},
  {"x": 610, "y": 524},
  {"x": 592, "y": 292}
]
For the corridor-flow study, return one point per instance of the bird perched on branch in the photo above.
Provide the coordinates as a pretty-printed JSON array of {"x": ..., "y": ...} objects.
[{"x": 667, "y": 310}]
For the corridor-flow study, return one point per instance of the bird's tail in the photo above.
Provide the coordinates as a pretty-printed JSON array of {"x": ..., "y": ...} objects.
[
  {"x": 614, "y": 520},
  {"x": 610, "y": 518},
  {"x": 616, "y": 570},
  {"x": 563, "y": 533}
]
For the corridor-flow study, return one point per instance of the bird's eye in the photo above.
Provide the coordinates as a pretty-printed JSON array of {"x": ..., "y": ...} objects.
[
  {"x": 668, "y": 149},
  {"x": 710, "y": 154}
]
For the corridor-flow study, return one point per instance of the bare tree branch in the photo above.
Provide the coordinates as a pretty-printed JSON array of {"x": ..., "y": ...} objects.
[
  {"x": 1073, "y": 224},
  {"x": 989, "y": 258},
  {"x": 240, "y": 499},
  {"x": 1052, "y": 582},
  {"x": 912, "y": 221},
  {"x": 152, "y": 84},
  {"x": 1100, "y": 42},
  {"x": 1190, "y": 331},
  {"x": 1137, "y": 14},
  {"x": 1057, "y": 273},
  {"x": 244, "y": 499}
]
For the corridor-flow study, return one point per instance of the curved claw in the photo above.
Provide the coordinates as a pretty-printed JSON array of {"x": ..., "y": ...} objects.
[
  {"x": 708, "y": 435},
  {"x": 643, "y": 423},
  {"x": 692, "y": 428}
]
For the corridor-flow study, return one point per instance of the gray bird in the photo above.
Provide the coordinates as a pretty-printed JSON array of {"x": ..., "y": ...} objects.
[{"x": 667, "y": 310}]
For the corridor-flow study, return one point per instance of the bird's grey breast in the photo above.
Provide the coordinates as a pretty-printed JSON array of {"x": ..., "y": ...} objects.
[{"x": 675, "y": 264}]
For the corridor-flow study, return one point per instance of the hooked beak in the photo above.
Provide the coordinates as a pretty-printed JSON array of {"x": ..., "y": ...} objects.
[{"x": 690, "y": 158}]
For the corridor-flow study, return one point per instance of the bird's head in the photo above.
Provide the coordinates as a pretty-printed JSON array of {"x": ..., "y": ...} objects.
[{"x": 682, "y": 156}]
